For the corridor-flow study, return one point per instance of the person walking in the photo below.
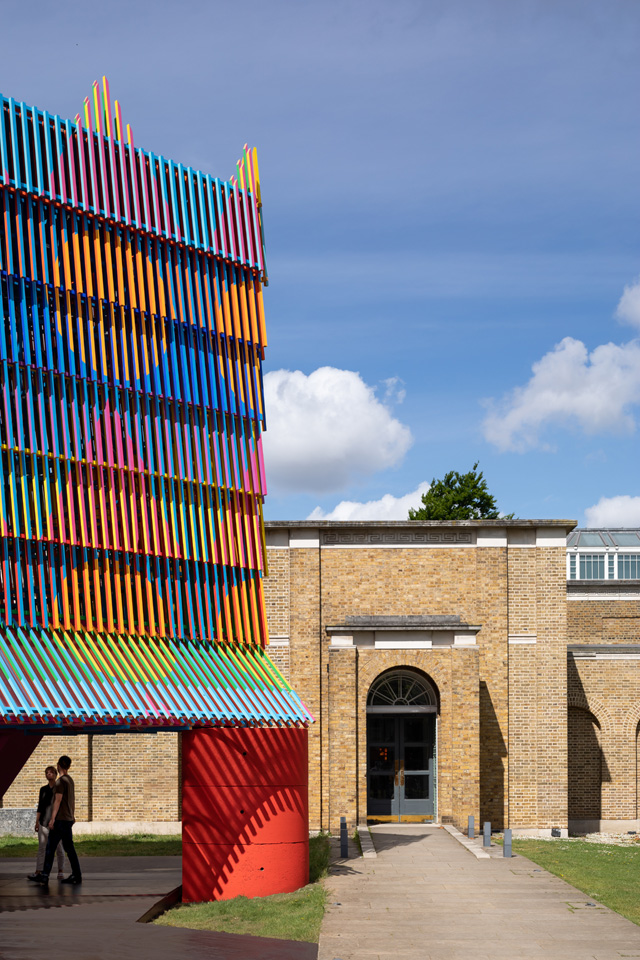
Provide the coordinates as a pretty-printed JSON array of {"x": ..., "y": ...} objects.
[
  {"x": 61, "y": 826},
  {"x": 43, "y": 816}
]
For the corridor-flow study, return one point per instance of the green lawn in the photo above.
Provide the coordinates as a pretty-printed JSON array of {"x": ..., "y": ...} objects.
[
  {"x": 285, "y": 916},
  {"x": 604, "y": 872},
  {"x": 102, "y": 845}
]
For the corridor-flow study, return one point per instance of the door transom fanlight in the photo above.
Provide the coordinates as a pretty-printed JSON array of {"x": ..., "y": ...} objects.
[{"x": 401, "y": 689}]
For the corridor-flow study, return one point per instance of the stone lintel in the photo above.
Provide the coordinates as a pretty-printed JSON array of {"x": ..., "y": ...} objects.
[{"x": 604, "y": 651}]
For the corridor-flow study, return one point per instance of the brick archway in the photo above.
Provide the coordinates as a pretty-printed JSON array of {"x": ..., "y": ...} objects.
[
  {"x": 427, "y": 685},
  {"x": 631, "y": 737},
  {"x": 630, "y": 722},
  {"x": 597, "y": 708},
  {"x": 371, "y": 672},
  {"x": 584, "y": 761}
]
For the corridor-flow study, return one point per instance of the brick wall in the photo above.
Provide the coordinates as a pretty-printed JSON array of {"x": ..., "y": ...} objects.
[
  {"x": 135, "y": 777},
  {"x": 535, "y": 723},
  {"x": 597, "y": 621},
  {"x": 117, "y": 776},
  {"x": 465, "y": 753},
  {"x": 280, "y": 655},
  {"x": 277, "y": 591},
  {"x": 551, "y": 647},
  {"x": 523, "y": 735},
  {"x": 492, "y": 595},
  {"x": 23, "y": 792},
  {"x": 343, "y": 788},
  {"x": 619, "y": 629}
]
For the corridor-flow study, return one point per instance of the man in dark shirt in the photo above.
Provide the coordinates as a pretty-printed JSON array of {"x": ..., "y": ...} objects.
[
  {"x": 43, "y": 815},
  {"x": 61, "y": 824}
]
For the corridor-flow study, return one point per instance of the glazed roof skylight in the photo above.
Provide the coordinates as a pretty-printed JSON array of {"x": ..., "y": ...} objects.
[{"x": 601, "y": 539}]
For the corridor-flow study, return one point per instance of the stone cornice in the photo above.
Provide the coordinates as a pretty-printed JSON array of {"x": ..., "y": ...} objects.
[{"x": 398, "y": 524}]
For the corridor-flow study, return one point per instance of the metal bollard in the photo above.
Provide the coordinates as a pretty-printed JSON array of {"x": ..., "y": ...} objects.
[
  {"x": 344, "y": 838},
  {"x": 471, "y": 829},
  {"x": 486, "y": 840},
  {"x": 506, "y": 850}
]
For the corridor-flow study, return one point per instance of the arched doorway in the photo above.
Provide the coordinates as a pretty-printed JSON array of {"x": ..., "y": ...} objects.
[
  {"x": 401, "y": 747},
  {"x": 638, "y": 771},
  {"x": 585, "y": 766}
]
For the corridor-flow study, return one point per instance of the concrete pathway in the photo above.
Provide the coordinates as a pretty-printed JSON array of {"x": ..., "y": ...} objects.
[
  {"x": 427, "y": 898},
  {"x": 97, "y": 921}
]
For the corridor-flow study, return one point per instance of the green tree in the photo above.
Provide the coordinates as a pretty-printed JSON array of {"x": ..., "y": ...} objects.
[{"x": 459, "y": 496}]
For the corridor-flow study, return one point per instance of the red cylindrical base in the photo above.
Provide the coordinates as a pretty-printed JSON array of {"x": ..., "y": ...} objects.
[{"x": 245, "y": 812}]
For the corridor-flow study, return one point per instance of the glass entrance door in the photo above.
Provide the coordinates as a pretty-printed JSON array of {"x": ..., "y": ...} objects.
[
  {"x": 382, "y": 763},
  {"x": 417, "y": 741},
  {"x": 400, "y": 774}
]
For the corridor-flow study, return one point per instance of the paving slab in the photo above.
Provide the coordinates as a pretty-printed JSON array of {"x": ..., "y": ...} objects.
[
  {"x": 98, "y": 920},
  {"x": 426, "y": 897}
]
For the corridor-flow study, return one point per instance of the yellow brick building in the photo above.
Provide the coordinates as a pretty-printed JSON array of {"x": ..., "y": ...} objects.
[
  {"x": 476, "y": 613},
  {"x": 453, "y": 669}
]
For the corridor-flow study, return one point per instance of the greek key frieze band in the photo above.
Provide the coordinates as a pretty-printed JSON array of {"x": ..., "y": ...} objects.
[{"x": 396, "y": 537}]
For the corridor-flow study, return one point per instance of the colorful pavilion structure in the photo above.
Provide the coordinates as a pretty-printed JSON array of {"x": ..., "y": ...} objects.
[{"x": 131, "y": 537}]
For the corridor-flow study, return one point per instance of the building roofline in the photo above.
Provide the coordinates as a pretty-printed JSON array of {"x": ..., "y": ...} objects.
[
  {"x": 607, "y": 530},
  {"x": 328, "y": 524}
]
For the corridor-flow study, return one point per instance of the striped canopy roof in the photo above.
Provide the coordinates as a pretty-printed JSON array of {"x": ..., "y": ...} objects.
[
  {"x": 65, "y": 679},
  {"x": 132, "y": 338}
]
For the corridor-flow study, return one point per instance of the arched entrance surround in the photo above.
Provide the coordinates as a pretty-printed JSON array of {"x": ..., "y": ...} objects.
[{"x": 402, "y": 708}]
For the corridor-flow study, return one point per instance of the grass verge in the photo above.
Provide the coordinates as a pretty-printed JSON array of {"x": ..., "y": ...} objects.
[
  {"x": 357, "y": 841},
  {"x": 285, "y": 916},
  {"x": 319, "y": 851},
  {"x": 605, "y": 872},
  {"x": 102, "y": 845}
]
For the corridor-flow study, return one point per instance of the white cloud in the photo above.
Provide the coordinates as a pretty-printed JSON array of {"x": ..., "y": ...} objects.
[
  {"x": 387, "y": 507},
  {"x": 327, "y": 429},
  {"x": 621, "y": 511},
  {"x": 569, "y": 386},
  {"x": 628, "y": 310},
  {"x": 394, "y": 390}
]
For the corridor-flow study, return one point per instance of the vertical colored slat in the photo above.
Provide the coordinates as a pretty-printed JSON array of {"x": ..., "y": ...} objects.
[
  {"x": 17, "y": 175},
  {"x": 25, "y": 123},
  {"x": 73, "y": 183},
  {"x": 4, "y": 146}
]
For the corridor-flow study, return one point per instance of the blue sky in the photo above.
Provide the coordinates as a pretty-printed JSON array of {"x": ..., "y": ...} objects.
[{"x": 451, "y": 190}]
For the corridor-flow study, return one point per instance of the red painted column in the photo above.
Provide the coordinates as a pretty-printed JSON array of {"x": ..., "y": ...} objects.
[
  {"x": 15, "y": 749},
  {"x": 245, "y": 812}
]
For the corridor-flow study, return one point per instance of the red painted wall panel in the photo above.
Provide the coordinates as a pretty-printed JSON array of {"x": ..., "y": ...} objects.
[
  {"x": 217, "y": 814},
  {"x": 222, "y": 871},
  {"x": 246, "y": 755},
  {"x": 15, "y": 749},
  {"x": 244, "y": 812}
]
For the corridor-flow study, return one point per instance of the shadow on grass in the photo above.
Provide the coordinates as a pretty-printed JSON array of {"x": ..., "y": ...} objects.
[
  {"x": 284, "y": 916},
  {"x": 604, "y": 872}
]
